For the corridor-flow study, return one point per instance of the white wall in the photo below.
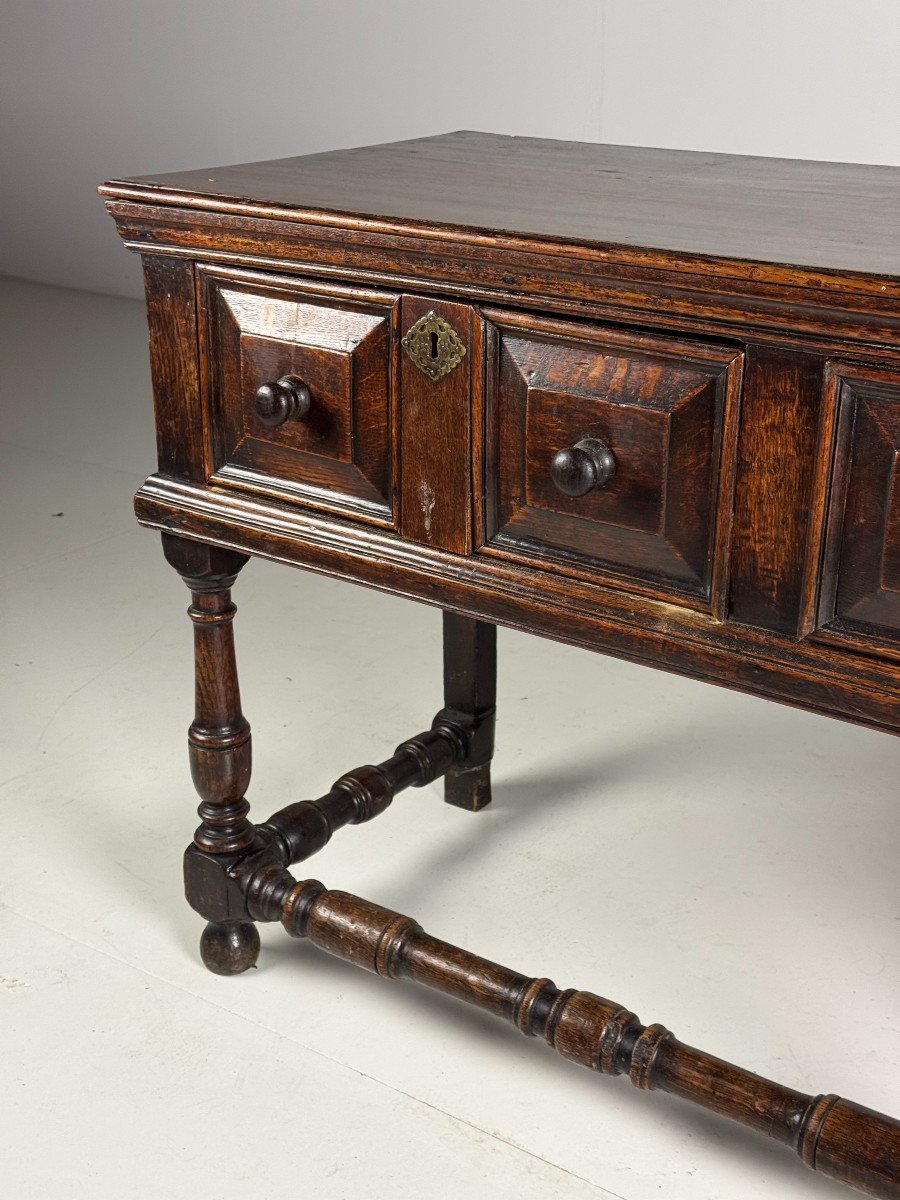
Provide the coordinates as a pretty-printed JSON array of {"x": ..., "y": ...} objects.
[
  {"x": 789, "y": 78},
  {"x": 95, "y": 88}
]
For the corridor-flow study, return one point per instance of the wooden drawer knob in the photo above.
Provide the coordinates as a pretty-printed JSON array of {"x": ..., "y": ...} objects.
[
  {"x": 577, "y": 470},
  {"x": 286, "y": 399}
]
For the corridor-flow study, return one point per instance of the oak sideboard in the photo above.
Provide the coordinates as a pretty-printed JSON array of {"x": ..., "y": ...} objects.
[{"x": 646, "y": 402}]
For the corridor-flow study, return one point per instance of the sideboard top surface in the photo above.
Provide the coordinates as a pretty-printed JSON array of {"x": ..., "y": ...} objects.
[{"x": 814, "y": 215}]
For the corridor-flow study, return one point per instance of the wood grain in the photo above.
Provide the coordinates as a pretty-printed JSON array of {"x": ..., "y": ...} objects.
[
  {"x": 860, "y": 583},
  {"x": 820, "y": 215},
  {"x": 259, "y": 328},
  {"x": 663, "y": 408},
  {"x": 172, "y": 328},
  {"x": 435, "y": 439},
  {"x": 470, "y": 696},
  {"x": 658, "y": 289},
  {"x": 720, "y": 337},
  {"x": 861, "y": 687},
  {"x": 780, "y": 417},
  {"x": 833, "y": 1136}
]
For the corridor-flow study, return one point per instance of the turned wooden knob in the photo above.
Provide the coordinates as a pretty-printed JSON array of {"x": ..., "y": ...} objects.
[
  {"x": 286, "y": 399},
  {"x": 577, "y": 470}
]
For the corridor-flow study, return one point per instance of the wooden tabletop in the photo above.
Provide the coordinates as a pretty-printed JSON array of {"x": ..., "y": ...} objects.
[{"x": 814, "y": 215}]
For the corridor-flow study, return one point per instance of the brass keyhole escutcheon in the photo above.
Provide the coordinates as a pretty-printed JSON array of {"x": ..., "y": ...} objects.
[{"x": 433, "y": 345}]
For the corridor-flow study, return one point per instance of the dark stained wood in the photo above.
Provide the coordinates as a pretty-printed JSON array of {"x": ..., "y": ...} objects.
[
  {"x": 303, "y": 828},
  {"x": 858, "y": 1146},
  {"x": 674, "y": 436},
  {"x": 780, "y": 417},
  {"x": 859, "y": 688},
  {"x": 218, "y": 738},
  {"x": 831, "y": 1135},
  {"x": 172, "y": 327},
  {"x": 338, "y": 344},
  {"x": 435, "y": 485},
  {"x": 658, "y": 290},
  {"x": 814, "y": 214},
  {"x": 281, "y": 400},
  {"x": 587, "y": 465},
  {"x": 470, "y": 697},
  {"x": 860, "y": 581},
  {"x": 667, "y": 411}
]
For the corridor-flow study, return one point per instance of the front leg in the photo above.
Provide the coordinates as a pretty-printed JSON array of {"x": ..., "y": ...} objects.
[
  {"x": 219, "y": 748},
  {"x": 470, "y": 693}
]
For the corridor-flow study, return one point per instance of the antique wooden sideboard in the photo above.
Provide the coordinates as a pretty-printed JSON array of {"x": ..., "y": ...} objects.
[{"x": 643, "y": 401}]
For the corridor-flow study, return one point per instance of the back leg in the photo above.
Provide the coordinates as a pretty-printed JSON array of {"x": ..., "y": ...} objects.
[{"x": 470, "y": 689}]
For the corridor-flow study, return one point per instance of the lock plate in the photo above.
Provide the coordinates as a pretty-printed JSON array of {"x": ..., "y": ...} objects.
[{"x": 433, "y": 345}]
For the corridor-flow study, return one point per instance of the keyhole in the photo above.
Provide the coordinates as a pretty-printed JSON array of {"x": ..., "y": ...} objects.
[{"x": 434, "y": 345}]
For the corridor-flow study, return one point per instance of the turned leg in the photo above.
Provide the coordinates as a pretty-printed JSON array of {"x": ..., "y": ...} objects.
[
  {"x": 219, "y": 748},
  {"x": 470, "y": 692},
  {"x": 834, "y": 1136}
]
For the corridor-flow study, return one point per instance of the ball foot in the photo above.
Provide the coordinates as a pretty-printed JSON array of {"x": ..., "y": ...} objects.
[{"x": 229, "y": 947}]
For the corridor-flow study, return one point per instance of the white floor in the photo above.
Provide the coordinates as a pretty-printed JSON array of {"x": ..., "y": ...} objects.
[{"x": 726, "y": 866}]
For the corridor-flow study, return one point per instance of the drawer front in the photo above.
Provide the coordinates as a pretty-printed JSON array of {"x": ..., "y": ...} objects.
[
  {"x": 567, "y": 405},
  {"x": 859, "y": 583},
  {"x": 298, "y": 390}
]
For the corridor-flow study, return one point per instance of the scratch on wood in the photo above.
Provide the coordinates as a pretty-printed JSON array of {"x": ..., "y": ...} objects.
[{"x": 427, "y": 500}]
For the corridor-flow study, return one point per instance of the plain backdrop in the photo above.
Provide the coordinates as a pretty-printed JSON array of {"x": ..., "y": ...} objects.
[{"x": 96, "y": 88}]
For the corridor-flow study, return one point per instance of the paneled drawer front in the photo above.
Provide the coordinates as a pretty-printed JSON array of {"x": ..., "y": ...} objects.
[
  {"x": 611, "y": 455},
  {"x": 297, "y": 390},
  {"x": 859, "y": 583}
]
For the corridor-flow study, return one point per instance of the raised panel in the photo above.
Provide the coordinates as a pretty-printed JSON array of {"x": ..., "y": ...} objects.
[
  {"x": 338, "y": 342},
  {"x": 667, "y": 412},
  {"x": 859, "y": 583},
  {"x": 327, "y": 373}
]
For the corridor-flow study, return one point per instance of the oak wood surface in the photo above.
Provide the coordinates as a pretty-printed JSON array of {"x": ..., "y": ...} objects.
[
  {"x": 837, "y": 1137},
  {"x": 775, "y": 301},
  {"x": 860, "y": 688},
  {"x": 814, "y": 214},
  {"x": 257, "y": 328},
  {"x": 781, "y": 412},
  {"x": 172, "y": 328},
  {"x": 470, "y": 694},
  {"x": 720, "y": 337},
  {"x": 435, "y": 435},
  {"x": 666, "y": 410},
  {"x": 860, "y": 584}
]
